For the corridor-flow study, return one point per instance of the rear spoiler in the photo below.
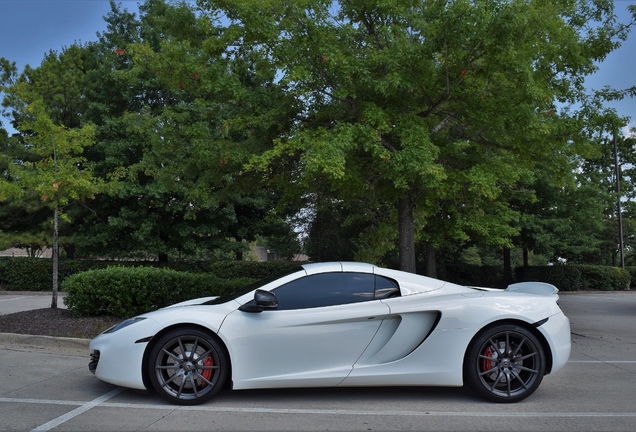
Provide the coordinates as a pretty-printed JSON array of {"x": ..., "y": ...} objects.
[{"x": 539, "y": 288}]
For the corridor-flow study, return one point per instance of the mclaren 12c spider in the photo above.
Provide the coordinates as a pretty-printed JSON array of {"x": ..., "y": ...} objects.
[{"x": 342, "y": 324}]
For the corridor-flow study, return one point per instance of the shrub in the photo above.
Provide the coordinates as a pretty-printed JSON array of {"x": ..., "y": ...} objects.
[
  {"x": 129, "y": 291},
  {"x": 26, "y": 274},
  {"x": 565, "y": 278},
  {"x": 604, "y": 278},
  {"x": 577, "y": 277},
  {"x": 632, "y": 273},
  {"x": 35, "y": 274},
  {"x": 250, "y": 269},
  {"x": 472, "y": 275}
]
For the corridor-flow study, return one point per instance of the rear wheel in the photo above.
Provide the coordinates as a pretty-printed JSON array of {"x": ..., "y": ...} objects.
[
  {"x": 506, "y": 363},
  {"x": 188, "y": 366}
]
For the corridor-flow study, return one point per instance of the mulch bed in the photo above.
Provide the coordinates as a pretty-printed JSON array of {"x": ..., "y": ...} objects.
[{"x": 55, "y": 322}]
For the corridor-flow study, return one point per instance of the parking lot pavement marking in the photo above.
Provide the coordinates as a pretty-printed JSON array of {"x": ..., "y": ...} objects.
[
  {"x": 409, "y": 413},
  {"x": 85, "y": 406},
  {"x": 15, "y": 298},
  {"x": 601, "y": 361},
  {"x": 42, "y": 401},
  {"x": 77, "y": 411}
]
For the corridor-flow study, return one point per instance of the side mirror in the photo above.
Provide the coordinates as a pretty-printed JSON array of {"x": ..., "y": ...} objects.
[
  {"x": 266, "y": 299},
  {"x": 262, "y": 300}
]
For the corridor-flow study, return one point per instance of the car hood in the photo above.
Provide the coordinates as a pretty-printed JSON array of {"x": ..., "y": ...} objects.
[
  {"x": 196, "y": 301},
  {"x": 194, "y": 312}
]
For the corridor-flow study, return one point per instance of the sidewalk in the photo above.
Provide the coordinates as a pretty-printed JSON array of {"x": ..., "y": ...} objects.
[{"x": 19, "y": 301}]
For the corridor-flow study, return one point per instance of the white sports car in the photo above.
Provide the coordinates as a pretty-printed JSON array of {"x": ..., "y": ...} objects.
[{"x": 342, "y": 324}]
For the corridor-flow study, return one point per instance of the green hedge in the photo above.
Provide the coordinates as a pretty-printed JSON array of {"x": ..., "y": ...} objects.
[
  {"x": 129, "y": 291},
  {"x": 577, "y": 277},
  {"x": 472, "y": 275},
  {"x": 26, "y": 274},
  {"x": 565, "y": 278},
  {"x": 250, "y": 269},
  {"x": 632, "y": 272},
  {"x": 35, "y": 274}
]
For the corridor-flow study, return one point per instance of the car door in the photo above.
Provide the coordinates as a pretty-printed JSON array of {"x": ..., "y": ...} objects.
[{"x": 322, "y": 325}]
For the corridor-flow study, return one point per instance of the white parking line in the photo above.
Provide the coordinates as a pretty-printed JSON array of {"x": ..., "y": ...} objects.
[
  {"x": 77, "y": 411},
  {"x": 85, "y": 406},
  {"x": 380, "y": 413},
  {"x": 601, "y": 361},
  {"x": 42, "y": 401},
  {"x": 15, "y": 298}
]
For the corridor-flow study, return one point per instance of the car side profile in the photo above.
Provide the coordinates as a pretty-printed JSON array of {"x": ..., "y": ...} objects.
[{"x": 342, "y": 325}]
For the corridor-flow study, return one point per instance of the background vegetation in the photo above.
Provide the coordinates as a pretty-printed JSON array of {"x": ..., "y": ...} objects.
[{"x": 449, "y": 138}]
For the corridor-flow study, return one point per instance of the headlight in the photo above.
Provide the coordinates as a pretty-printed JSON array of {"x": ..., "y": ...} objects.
[{"x": 123, "y": 324}]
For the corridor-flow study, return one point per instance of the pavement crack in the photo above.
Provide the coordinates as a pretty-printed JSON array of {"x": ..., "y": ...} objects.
[{"x": 158, "y": 420}]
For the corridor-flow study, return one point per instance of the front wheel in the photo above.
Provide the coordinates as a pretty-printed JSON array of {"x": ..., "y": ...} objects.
[
  {"x": 187, "y": 366},
  {"x": 506, "y": 363}
]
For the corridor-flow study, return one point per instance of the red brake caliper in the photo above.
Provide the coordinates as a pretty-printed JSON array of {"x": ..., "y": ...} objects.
[
  {"x": 487, "y": 364},
  {"x": 207, "y": 373}
]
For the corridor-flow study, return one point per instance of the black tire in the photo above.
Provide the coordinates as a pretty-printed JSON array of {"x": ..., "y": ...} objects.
[
  {"x": 505, "y": 363},
  {"x": 187, "y": 366}
]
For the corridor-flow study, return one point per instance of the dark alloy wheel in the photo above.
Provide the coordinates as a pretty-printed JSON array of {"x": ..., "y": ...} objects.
[
  {"x": 187, "y": 366},
  {"x": 505, "y": 363}
]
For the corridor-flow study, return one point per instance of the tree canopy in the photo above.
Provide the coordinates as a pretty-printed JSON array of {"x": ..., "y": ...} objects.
[{"x": 386, "y": 127}]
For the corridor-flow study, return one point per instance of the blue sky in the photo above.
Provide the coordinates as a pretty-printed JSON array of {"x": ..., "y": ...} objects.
[{"x": 30, "y": 28}]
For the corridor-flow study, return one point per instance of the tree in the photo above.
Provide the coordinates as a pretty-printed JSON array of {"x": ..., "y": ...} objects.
[
  {"x": 59, "y": 175},
  {"x": 434, "y": 107},
  {"x": 60, "y": 82},
  {"x": 21, "y": 221},
  {"x": 161, "y": 135},
  {"x": 181, "y": 166}
]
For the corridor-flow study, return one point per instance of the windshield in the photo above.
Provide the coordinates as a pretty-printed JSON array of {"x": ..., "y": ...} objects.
[{"x": 255, "y": 285}]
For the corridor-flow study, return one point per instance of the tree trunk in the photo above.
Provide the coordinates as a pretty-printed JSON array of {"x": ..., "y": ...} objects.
[
  {"x": 525, "y": 257},
  {"x": 507, "y": 267},
  {"x": 163, "y": 257},
  {"x": 55, "y": 254},
  {"x": 431, "y": 262},
  {"x": 70, "y": 251},
  {"x": 406, "y": 237}
]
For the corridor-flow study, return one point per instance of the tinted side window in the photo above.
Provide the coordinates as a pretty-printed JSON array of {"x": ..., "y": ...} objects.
[
  {"x": 325, "y": 289},
  {"x": 386, "y": 288}
]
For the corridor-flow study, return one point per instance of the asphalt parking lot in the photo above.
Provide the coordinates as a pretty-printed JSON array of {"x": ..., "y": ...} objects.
[{"x": 48, "y": 387}]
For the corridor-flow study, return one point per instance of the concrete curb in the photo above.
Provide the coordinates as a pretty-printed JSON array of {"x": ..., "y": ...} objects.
[{"x": 74, "y": 345}]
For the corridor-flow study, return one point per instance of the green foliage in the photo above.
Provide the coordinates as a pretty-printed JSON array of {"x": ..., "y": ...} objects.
[
  {"x": 212, "y": 125},
  {"x": 446, "y": 106},
  {"x": 632, "y": 273},
  {"x": 129, "y": 291},
  {"x": 565, "y": 278},
  {"x": 339, "y": 230},
  {"x": 250, "y": 269},
  {"x": 604, "y": 278},
  {"x": 26, "y": 274},
  {"x": 577, "y": 277},
  {"x": 472, "y": 275},
  {"x": 157, "y": 102},
  {"x": 34, "y": 274}
]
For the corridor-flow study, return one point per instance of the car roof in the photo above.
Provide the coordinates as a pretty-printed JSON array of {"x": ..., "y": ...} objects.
[
  {"x": 344, "y": 266},
  {"x": 409, "y": 283}
]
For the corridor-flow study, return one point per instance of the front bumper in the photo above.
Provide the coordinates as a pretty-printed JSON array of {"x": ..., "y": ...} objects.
[{"x": 117, "y": 358}]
